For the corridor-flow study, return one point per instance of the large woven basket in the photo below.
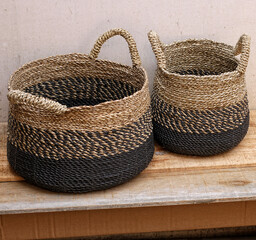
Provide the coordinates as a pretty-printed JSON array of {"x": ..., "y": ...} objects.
[
  {"x": 79, "y": 124},
  {"x": 199, "y": 102}
]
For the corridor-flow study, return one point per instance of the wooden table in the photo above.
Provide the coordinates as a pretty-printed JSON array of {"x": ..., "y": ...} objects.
[{"x": 174, "y": 193}]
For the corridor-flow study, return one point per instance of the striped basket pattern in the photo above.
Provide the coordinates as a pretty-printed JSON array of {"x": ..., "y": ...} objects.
[
  {"x": 199, "y": 101},
  {"x": 79, "y": 124}
]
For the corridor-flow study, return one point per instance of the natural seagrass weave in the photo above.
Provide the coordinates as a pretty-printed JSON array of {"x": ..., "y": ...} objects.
[
  {"x": 79, "y": 124},
  {"x": 199, "y": 101}
]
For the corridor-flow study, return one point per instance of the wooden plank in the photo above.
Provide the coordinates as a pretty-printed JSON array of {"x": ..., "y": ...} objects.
[
  {"x": 6, "y": 173},
  {"x": 126, "y": 221},
  {"x": 243, "y": 155},
  {"x": 149, "y": 189}
]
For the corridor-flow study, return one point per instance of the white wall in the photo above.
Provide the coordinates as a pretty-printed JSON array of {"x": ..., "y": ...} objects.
[{"x": 32, "y": 29}]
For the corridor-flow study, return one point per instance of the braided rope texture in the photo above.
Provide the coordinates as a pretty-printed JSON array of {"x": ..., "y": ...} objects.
[
  {"x": 82, "y": 174},
  {"x": 199, "y": 101},
  {"x": 80, "y": 160},
  {"x": 80, "y": 124}
]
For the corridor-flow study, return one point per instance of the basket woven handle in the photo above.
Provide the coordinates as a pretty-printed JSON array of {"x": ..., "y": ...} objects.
[
  {"x": 28, "y": 100},
  {"x": 129, "y": 39},
  {"x": 243, "y": 47},
  {"x": 157, "y": 48}
]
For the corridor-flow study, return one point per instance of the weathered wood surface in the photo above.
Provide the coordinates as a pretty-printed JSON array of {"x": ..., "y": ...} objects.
[
  {"x": 154, "y": 189},
  {"x": 170, "y": 179},
  {"x": 6, "y": 173},
  {"x": 244, "y": 155}
]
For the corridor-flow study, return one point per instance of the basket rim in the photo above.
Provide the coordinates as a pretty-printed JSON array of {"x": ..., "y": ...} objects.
[
  {"x": 121, "y": 67},
  {"x": 201, "y": 41}
]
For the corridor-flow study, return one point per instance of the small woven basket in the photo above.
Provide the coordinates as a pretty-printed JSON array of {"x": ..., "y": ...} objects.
[
  {"x": 199, "y": 101},
  {"x": 79, "y": 124}
]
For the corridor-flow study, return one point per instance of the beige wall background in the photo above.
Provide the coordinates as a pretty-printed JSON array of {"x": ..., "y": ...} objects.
[{"x": 32, "y": 29}]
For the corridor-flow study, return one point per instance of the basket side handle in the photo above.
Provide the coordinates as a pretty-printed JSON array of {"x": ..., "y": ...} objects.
[
  {"x": 29, "y": 100},
  {"x": 136, "y": 62},
  {"x": 157, "y": 47},
  {"x": 243, "y": 47}
]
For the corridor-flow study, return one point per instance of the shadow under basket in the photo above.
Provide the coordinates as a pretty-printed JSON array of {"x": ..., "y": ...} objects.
[
  {"x": 199, "y": 101},
  {"x": 78, "y": 124}
]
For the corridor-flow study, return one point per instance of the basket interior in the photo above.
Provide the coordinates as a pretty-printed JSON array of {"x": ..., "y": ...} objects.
[
  {"x": 80, "y": 91},
  {"x": 200, "y": 59}
]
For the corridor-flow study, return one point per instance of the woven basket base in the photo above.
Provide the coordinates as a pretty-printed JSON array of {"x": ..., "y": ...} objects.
[
  {"x": 80, "y": 175},
  {"x": 199, "y": 144}
]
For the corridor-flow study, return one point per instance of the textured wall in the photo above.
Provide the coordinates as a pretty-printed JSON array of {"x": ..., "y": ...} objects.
[{"x": 32, "y": 29}]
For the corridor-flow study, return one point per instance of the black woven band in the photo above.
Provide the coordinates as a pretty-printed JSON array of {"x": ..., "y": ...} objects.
[
  {"x": 199, "y": 144},
  {"x": 81, "y": 175}
]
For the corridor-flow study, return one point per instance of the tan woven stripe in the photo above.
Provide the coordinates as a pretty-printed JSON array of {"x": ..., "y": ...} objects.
[
  {"x": 195, "y": 92},
  {"x": 72, "y": 145},
  {"x": 223, "y": 83},
  {"x": 72, "y": 65},
  {"x": 105, "y": 116}
]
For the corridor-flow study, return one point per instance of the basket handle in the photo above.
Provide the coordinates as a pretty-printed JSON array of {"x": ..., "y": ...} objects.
[
  {"x": 243, "y": 47},
  {"x": 136, "y": 62},
  {"x": 23, "y": 98},
  {"x": 157, "y": 48}
]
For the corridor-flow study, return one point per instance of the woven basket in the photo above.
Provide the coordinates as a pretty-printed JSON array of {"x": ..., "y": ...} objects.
[
  {"x": 79, "y": 124},
  {"x": 199, "y": 102}
]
